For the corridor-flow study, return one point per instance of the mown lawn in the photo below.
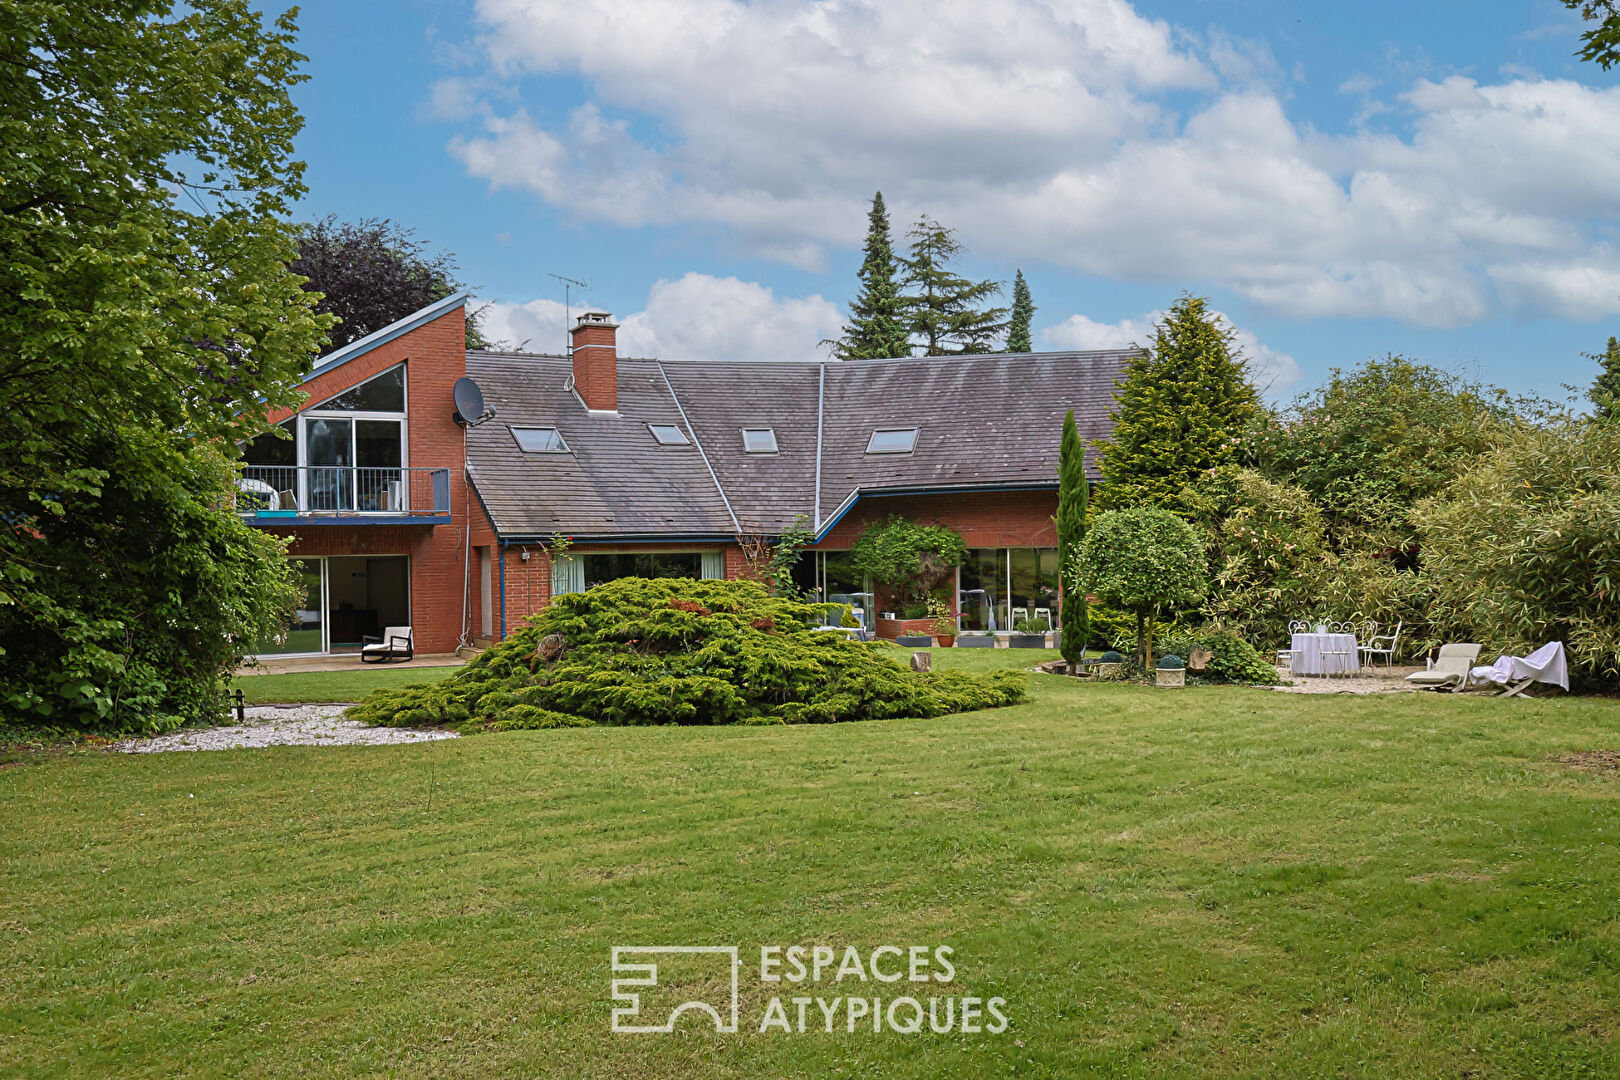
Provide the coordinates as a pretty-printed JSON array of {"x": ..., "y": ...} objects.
[
  {"x": 349, "y": 685},
  {"x": 1205, "y": 882}
]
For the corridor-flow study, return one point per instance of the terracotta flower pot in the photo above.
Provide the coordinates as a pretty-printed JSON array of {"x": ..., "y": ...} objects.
[{"x": 945, "y": 641}]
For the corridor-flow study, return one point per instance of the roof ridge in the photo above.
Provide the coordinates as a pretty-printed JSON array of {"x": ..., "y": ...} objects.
[{"x": 361, "y": 346}]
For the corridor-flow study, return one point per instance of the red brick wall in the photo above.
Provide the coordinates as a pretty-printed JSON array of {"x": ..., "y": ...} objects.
[
  {"x": 435, "y": 357},
  {"x": 596, "y": 375},
  {"x": 986, "y": 519}
]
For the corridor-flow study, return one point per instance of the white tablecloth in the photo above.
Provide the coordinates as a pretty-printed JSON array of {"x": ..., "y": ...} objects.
[{"x": 1309, "y": 654}]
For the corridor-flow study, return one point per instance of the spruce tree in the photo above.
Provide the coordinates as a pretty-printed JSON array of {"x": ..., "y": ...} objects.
[
  {"x": 877, "y": 321},
  {"x": 1073, "y": 494},
  {"x": 943, "y": 306},
  {"x": 1023, "y": 310},
  {"x": 1605, "y": 393},
  {"x": 1179, "y": 410}
]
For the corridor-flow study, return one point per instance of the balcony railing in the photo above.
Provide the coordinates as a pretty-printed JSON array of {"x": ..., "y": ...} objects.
[{"x": 271, "y": 491}]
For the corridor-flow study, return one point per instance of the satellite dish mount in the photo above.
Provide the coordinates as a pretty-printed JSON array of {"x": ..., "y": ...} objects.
[{"x": 470, "y": 408}]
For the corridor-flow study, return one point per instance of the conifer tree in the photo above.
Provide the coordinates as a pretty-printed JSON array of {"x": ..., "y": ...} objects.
[
  {"x": 877, "y": 321},
  {"x": 1073, "y": 494},
  {"x": 1179, "y": 410},
  {"x": 943, "y": 306},
  {"x": 1605, "y": 392},
  {"x": 1023, "y": 310}
]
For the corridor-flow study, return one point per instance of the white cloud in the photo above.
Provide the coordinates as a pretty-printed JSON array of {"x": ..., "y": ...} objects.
[
  {"x": 695, "y": 317},
  {"x": 1273, "y": 372},
  {"x": 1046, "y": 131}
]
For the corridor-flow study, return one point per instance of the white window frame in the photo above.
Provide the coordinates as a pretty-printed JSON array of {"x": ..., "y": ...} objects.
[
  {"x": 774, "y": 447},
  {"x": 318, "y": 413},
  {"x": 652, "y": 429},
  {"x": 911, "y": 446},
  {"x": 513, "y": 429}
]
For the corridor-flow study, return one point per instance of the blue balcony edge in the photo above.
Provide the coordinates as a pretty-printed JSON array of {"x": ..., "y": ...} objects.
[{"x": 275, "y": 520}]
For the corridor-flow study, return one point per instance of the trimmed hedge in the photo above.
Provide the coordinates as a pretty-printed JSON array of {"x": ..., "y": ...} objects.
[{"x": 678, "y": 651}]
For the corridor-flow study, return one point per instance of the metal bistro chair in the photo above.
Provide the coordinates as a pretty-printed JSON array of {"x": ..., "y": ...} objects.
[
  {"x": 1339, "y": 628},
  {"x": 1285, "y": 657},
  {"x": 1382, "y": 645}
]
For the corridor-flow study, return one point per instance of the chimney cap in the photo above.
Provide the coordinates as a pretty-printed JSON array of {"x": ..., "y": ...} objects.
[{"x": 595, "y": 318}]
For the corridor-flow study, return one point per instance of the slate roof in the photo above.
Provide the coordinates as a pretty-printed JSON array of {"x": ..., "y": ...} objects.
[{"x": 990, "y": 421}]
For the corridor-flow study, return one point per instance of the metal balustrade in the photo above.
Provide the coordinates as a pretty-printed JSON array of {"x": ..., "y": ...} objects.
[{"x": 325, "y": 490}]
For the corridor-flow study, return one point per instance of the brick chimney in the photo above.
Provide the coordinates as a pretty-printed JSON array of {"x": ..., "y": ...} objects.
[{"x": 596, "y": 361}]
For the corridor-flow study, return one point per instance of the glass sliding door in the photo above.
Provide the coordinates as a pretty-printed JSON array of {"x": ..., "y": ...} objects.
[
  {"x": 983, "y": 590},
  {"x": 378, "y": 457},
  {"x": 329, "y": 452},
  {"x": 305, "y": 632},
  {"x": 1032, "y": 582}
]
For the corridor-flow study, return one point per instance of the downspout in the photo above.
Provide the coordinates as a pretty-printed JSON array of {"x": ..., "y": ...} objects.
[
  {"x": 504, "y": 545},
  {"x": 821, "y": 401}
]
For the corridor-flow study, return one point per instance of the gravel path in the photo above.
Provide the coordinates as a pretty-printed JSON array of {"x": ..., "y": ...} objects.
[
  {"x": 1364, "y": 682},
  {"x": 283, "y": 725}
]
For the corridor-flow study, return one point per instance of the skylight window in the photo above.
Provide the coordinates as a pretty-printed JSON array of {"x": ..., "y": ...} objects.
[
  {"x": 759, "y": 440},
  {"x": 667, "y": 434},
  {"x": 539, "y": 440},
  {"x": 892, "y": 441}
]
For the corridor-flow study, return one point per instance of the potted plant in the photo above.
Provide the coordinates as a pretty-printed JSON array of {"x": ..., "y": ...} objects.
[
  {"x": 1172, "y": 671},
  {"x": 1029, "y": 634},
  {"x": 944, "y": 621},
  {"x": 1108, "y": 665}
]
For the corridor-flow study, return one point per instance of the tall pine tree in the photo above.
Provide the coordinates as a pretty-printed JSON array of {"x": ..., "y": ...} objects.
[
  {"x": 943, "y": 306},
  {"x": 1605, "y": 392},
  {"x": 1073, "y": 494},
  {"x": 1023, "y": 310},
  {"x": 1179, "y": 410},
  {"x": 877, "y": 319}
]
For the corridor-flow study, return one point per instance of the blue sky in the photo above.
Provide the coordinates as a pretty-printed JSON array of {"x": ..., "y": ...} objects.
[{"x": 1439, "y": 179}]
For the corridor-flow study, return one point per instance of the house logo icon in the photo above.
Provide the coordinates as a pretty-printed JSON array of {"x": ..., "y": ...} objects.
[{"x": 636, "y": 971}]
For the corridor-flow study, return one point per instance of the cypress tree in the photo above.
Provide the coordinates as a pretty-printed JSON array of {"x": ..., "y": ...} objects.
[
  {"x": 943, "y": 305},
  {"x": 1179, "y": 410},
  {"x": 1023, "y": 310},
  {"x": 1605, "y": 393},
  {"x": 877, "y": 323},
  {"x": 1073, "y": 494}
]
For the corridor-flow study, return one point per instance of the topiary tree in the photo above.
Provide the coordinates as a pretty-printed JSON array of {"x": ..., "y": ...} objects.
[
  {"x": 1073, "y": 495},
  {"x": 913, "y": 559},
  {"x": 1145, "y": 561}
]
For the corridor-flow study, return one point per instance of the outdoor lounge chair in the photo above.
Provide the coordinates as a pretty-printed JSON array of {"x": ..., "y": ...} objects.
[
  {"x": 1513, "y": 675},
  {"x": 396, "y": 643},
  {"x": 1450, "y": 671}
]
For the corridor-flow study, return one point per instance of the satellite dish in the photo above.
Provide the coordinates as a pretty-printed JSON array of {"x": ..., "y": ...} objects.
[{"x": 470, "y": 409}]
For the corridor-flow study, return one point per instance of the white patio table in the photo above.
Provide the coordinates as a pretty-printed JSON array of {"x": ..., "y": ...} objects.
[{"x": 1320, "y": 654}]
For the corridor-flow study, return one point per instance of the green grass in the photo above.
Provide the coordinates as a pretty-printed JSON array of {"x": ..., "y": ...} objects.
[
  {"x": 1205, "y": 882},
  {"x": 347, "y": 685}
]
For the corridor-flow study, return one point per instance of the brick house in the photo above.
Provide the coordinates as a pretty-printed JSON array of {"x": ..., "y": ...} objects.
[{"x": 399, "y": 514}]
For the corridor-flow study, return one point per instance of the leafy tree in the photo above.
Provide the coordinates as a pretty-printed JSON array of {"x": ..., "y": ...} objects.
[
  {"x": 943, "y": 307},
  {"x": 1521, "y": 547},
  {"x": 1266, "y": 548},
  {"x": 1601, "y": 44},
  {"x": 1372, "y": 442},
  {"x": 877, "y": 317},
  {"x": 147, "y": 317},
  {"x": 1180, "y": 411},
  {"x": 371, "y": 273},
  {"x": 678, "y": 651},
  {"x": 1073, "y": 494},
  {"x": 1023, "y": 310},
  {"x": 1605, "y": 392},
  {"x": 1143, "y": 560},
  {"x": 914, "y": 559}
]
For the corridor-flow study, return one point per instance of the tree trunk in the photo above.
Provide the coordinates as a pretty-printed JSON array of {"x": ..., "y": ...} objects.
[{"x": 1143, "y": 644}]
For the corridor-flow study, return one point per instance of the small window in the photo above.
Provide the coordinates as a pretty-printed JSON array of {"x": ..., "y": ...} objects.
[
  {"x": 667, "y": 434},
  {"x": 892, "y": 441},
  {"x": 539, "y": 440},
  {"x": 759, "y": 440}
]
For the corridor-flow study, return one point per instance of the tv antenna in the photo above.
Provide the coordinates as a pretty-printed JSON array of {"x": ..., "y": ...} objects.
[{"x": 568, "y": 314}]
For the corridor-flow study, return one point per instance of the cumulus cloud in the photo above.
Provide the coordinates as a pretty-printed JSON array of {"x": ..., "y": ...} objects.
[
  {"x": 1047, "y": 132},
  {"x": 695, "y": 317},
  {"x": 1273, "y": 372}
]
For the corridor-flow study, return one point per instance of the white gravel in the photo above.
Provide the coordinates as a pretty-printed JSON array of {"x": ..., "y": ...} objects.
[{"x": 283, "y": 725}]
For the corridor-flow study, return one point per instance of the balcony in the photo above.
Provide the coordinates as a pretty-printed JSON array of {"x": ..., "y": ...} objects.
[{"x": 342, "y": 495}]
